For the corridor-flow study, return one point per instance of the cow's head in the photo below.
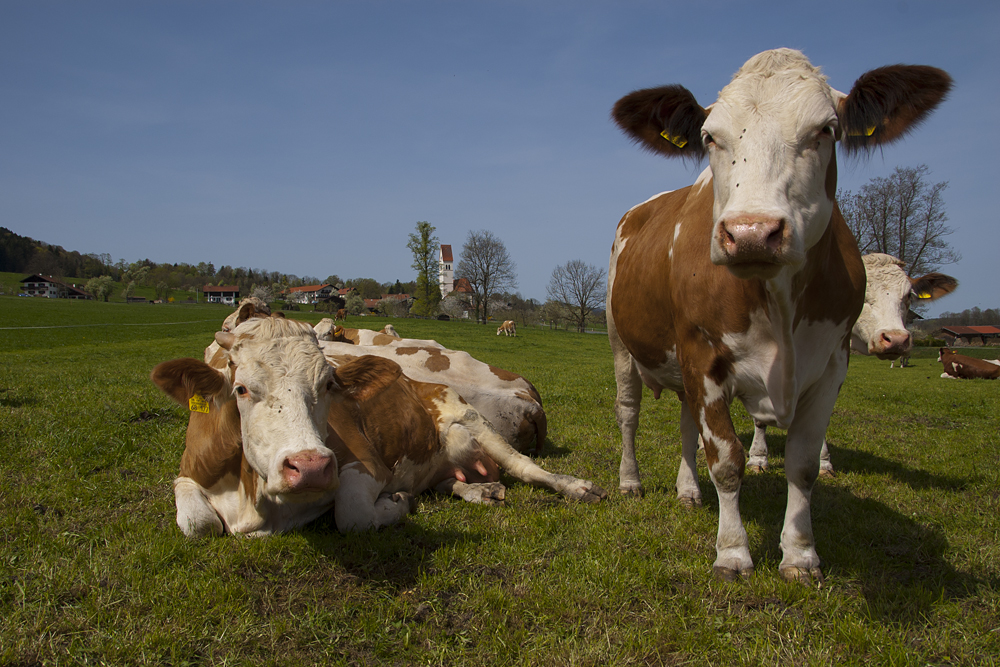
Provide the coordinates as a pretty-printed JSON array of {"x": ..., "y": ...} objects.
[
  {"x": 249, "y": 307},
  {"x": 770, "y": 143},
  {"x": 881, "y": 327}
]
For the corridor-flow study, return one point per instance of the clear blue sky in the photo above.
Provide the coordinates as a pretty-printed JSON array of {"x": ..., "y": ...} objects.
[{"x": 310, "y": 137}]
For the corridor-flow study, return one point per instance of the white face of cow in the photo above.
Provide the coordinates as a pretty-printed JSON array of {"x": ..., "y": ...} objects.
[
  {"x": 283, "y": 386},
  {"x": 770, "y": 140},
  {"x": 881, "y": 328}
]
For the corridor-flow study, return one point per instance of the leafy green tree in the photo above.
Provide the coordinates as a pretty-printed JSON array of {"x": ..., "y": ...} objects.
[
  {"x": 487, "y": 266},
  {"x": 100, "y": 287},
  {"x": 424, "y": 246},
  {"x": 355, "y": 304}
]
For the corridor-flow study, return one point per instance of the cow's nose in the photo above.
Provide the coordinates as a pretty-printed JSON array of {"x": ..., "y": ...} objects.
[
  {"x": 894, "y": 341},
  {"x": 308, "y": 470},
  {"x": 748, "y": 238}
]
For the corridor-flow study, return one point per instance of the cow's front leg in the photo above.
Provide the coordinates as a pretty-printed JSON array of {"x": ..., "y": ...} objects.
[
  {"x": 726, "y": 462},
  {"x": 195, "y": 516},
  {"x": 360, "y": 503},
  {"x": 806, "y": 440}
]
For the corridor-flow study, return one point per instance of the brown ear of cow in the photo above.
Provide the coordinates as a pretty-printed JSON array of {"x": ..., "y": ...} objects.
[
  {"x": 180, "y": 379},
  {"x": 933, "y": 286},
  {"x": 665, "y": 120},
  {"x": 279, "y": 314},
  {"x": 365, "y": 377},
  {"x": 887, "y": 102}
]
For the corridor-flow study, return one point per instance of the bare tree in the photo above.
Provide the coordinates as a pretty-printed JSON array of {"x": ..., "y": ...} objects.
[
  {"x": 903, "y": 216},
  {"x": 580, "y": 288},
  {"x": 487, "y": 266}
]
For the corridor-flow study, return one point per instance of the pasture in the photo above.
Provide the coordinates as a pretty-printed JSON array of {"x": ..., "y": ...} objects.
[{"x": 93, "y": 569}]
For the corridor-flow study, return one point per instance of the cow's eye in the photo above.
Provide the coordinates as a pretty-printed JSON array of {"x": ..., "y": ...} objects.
[
  {"x": 241, "y": 390},
  {"x": 707, "y": 139},
  {"x": 330, "y": 385}
]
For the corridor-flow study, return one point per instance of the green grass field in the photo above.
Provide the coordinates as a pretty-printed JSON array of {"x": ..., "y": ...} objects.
[{"x": 93, "y": 569}]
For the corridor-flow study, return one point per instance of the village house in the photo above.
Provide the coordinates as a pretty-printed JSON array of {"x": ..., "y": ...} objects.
[
  {"x": 227, "y": 294},
  {"x": 47, "y": 286}
]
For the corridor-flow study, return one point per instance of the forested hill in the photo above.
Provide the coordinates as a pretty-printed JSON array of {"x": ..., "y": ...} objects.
[{"x": 20, "y": 254}]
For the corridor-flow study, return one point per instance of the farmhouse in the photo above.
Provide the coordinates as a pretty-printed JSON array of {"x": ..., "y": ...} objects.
[
  {"x": 310, "y": 293},
  {"x": 968, "y": 334},
  {"x": 47, "y": 286},
  {"x": 227, "y": 294}
]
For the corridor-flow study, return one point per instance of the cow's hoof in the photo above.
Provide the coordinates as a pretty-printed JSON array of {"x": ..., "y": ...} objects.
[
  {"x": 408, "y": 498},
  {"x": 689, "y": 502},
  {"x": 829, "y": 474},
  {"x": 631, "y": 490},
  {"x": 585, "y": 491},
  {"x": 729, "y": 574},
  {"x": 807, "y": 576},
  {"x": 489, "y": 493},
  {"x": 755, "y": 468}
]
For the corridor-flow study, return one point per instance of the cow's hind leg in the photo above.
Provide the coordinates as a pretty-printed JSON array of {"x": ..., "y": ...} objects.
[
  {"x": 486, "y": 493},
  {"x": 473, "y": 426},
  {"x": 627, "y": 405},
  {"x": 758, "y": 449},
  {"x": 688, "y": 491},
  {"x": 361, "y": 505}
]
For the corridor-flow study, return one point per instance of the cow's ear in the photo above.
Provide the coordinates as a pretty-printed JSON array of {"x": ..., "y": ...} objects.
[
  {"x": 933, "y": 286},
  {"x": 665, "y": 120},
  {"x": 365, "y": 377},
  {"x": 247, "y": 310},
  {"x": 180, "y": 379},
  {"x": 279, "y": 314},
  {"x": 225, "y": 339},
  {"x": 887, "y": 102}
]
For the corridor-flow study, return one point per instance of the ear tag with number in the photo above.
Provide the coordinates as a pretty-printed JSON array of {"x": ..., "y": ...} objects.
[
  {"x": 676, "y": 140},
  {"x": 197, "y": 403}
]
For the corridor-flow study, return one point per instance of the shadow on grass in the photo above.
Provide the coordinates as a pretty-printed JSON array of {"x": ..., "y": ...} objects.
[
  {"x": 899, "y": 565},
  {"x": 394, "y": 556},
  {"x": 9, "y": 399}
]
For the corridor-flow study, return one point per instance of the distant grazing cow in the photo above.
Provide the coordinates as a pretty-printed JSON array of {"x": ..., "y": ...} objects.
[
  {"x": 880, "y": 329},
  {"x": 748, "y": 283},
  {"x": 277, "y": 436},
  {"x": 508, "y": 328},
  {"x": 508, "y": 401},
  {"x": 967, "y": 368},
  {"x": 341, "y": 315}
]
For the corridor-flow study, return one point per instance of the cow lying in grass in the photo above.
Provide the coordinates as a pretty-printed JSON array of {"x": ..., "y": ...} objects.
[
  {"x": 959, "y": 366},
  {"x": 879, "y": 331},
  {"x": 327, "y": 329},
  {"x": 508, "y": 401},
  {"x": 277, "y": 436}
]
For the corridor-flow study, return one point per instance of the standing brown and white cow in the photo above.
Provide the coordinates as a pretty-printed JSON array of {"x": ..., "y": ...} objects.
[
  {"x": 277, "y": 436},
  {"x": 747, "y": 284},
  {"x": 880, "y": 329},
  {"x": 508, "y": 328}
]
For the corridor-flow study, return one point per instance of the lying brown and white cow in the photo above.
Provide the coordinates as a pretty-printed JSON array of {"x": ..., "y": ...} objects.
[
  {"x": 964, "y": 367},
  {"x": 880, "y": 329},
  {"x": 508, "y": 401},
  {"x": 277, "y": 436},
  {"x": 747, "y": 284},
  {"x": 249, "y": 307},
  {"x": 328, "y": 330},
  {"x": 508, "y": 328}
]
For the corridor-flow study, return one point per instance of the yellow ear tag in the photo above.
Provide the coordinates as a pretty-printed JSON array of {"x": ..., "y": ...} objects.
[
  {"x": 197, "y": 403},
  {"x": 867, "y": 133},
  {"x": 678, "y": 140},
  {"x": 925, "y": 295}
]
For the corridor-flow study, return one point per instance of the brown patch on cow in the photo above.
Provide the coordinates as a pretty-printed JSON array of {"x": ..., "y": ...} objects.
[
  {"x": 436, "y": 360},
  {"x": 834, "y": 261},
  {"x": 365, "y": 377},
  {"x": 506, "y": 376},
  {"x": 248, "y": 478},
  {"x": 383, "y": 339},
  {"x": 213, "y": 446}
]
